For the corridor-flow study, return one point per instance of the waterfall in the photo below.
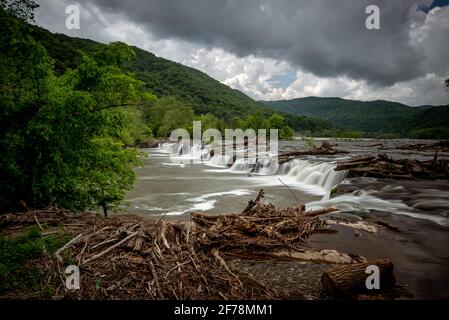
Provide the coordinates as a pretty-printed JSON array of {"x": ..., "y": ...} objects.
[
  {"x": 175, "y": 148},
  {"x": 219, "y": 160},
  {"x": 243, "y": 165},
  {"x": 362, "y": 201},
  {"x": 166, "y": 147},
  {"x": 267, "y": 166},
  {"x": 305, "y": 172},
  {"x": 319, "y": 174}
]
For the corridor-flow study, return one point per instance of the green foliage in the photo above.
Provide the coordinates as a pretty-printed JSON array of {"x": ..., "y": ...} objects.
[
  {"x": 206, "y": 96},
  {"x": 286, "y": 132},
  {"x": 275, "y": 121},
  {"x": 372, "y": 119},
  {"x": 432, "y": 123},
  {"x": 258, "y": 121},
  {"x": 194, "y": 88},
  {"x": 134, "y": 127},
  {"x": 430, "y": 133},
  {"x": 115, "y": 54},
  {"x": 167, "y": 79},
  {"x": 105, "y": 175},
  {"x": 61, "y": 137},
  {"x": 16, "y": 254},
  {"x": 167, "y": 114},
  {"x": 209, "y": 121}
]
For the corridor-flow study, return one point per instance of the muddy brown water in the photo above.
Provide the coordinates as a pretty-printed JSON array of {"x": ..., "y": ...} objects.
[{"x": 420, "y": 209}]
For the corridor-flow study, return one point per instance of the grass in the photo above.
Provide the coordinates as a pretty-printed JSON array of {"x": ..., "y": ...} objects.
[
  {"x": 17, "y": 254},
  {"x": 309, "y": 142}
]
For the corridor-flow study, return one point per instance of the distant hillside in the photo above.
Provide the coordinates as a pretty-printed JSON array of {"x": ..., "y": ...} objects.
[
  {"x": 207, "y": 95},
  {"x": 167, "y": 78},
  {"x": 374, "y": 118},
  {"x": 429, "y": 123}
]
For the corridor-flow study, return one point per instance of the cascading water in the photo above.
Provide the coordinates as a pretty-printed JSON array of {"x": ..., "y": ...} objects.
[
  {"x": 320, "y": 174},
  {"x": 311, "y": 177},
  {"x": 304, "y": 172},
  {"x": 267, "y": 166},
  {"x": 167, "y": 147},
  {"x": 219, "y": 160},
  {"x": 243, "y": 165}
]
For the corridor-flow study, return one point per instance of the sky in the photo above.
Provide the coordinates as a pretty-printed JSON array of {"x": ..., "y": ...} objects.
[{"x": 283, "y": 49}]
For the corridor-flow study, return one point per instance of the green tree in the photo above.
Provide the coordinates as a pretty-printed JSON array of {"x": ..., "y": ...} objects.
[
  {"x": 209, "y": 121},
  {"x": 177, "y": 117},
  {"x": 238, "y": 123},
  {"x": 276, "y": 121},
  {"x": 255, "y": 121},
  {"x": 59, "y": 135},
  {"x": 286, "y": 132},
  {"x": 108, "y": 173},
  {"x": 167, "y": 114}
]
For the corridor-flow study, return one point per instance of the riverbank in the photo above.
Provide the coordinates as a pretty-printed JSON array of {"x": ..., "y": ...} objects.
[{"x": 260, "y": 253}]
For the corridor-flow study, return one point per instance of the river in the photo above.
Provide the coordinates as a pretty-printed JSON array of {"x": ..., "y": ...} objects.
[{"x": 420, "y": 209}]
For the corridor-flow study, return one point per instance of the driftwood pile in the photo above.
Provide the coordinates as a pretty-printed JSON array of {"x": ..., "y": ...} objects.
[
  {"x": 259, "y": 228},
  {"x": 51, "y": 216},
  {"x": 148, "y": 260},
  {"x": 441, "y": 146},
  {"x": 167, "y": 260},
  {"x": 325, "y": 149},
  {"x": 127, "y": 257},
  {"x": 382, "y": 166}
]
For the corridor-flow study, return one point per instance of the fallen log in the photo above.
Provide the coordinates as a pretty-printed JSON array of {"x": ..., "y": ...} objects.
[
  {"x": 320, "y": 212},
  {"x": 324, "y": 149},
  {"x": 382, "y": 166},
  {"x": 442, "y": 146},
  {"x": 361, "y": 159},
  {"x": 324, "y": 256},
  {"x": 354, "y": 164},
  {"x": 132, "y": 235},
  {"x": 344, "y": 281}
]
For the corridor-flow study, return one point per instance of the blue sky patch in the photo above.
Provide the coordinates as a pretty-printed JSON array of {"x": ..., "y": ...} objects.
[
  {"x": 283, "y": 80},
  {"x": 435, "y": 3}
]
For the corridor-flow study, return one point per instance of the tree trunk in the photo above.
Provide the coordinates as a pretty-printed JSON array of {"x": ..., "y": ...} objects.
[
  {"x": 105, "y": 210},
  {"x": 351, "y": 279}
]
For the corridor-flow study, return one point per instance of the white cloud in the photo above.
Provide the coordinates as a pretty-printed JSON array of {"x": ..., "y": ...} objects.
[{"x": 253, "y": 74}]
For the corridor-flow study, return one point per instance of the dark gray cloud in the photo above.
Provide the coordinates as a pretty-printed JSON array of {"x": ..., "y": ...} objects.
[{"x": 327, "y": 38}]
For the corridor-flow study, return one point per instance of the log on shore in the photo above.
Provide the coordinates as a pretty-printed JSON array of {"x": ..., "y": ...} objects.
[
  {"x": 350, "y": 280},
  {"x": 324, "y": 149},
  {"x": 382, "y": 166},
  {"x": 442, "y": 146}
]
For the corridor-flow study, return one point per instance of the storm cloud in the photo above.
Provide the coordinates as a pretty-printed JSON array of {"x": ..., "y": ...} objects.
[
  {"x": 321, "y": 38},
  {"x": 324, "y": 37}
]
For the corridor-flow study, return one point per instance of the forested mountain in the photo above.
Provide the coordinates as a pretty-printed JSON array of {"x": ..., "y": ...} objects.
[
  {"x": 68, "y": 108},
  {"x": 374, "y": 118},
  {"x": 165, "y": 78}
]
